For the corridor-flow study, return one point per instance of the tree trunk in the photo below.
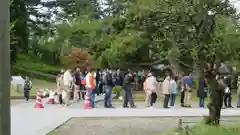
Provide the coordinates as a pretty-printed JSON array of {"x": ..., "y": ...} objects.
[
  {"x": 4, "y": 69},
  {"x": 216, "y": 97}
]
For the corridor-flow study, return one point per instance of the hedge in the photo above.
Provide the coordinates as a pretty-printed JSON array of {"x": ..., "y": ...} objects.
[{"x": 35, "y": 74}]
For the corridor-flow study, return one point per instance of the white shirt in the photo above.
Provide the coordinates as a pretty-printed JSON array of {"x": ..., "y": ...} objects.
[
  {"x": 67, "y": 78},
  {"x": 151, "y": 83}
]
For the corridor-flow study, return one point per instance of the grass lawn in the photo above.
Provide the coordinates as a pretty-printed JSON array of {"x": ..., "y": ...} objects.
[
  {"x": 201, "y": 129},
  {"x": 36, "y": 85}
]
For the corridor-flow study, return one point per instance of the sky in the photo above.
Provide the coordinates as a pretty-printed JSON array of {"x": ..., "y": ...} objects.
[{"x": 236, "y": 4}]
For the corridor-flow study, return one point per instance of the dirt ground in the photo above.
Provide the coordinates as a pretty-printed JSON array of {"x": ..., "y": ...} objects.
[{"x": 125, "y": 125}]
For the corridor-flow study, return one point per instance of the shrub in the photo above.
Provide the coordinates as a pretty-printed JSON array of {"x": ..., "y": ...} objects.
[
  {"x": 117, "y": 90},
  {"x": 31, "y": 63},
  {"x": 34, "y": 74}
]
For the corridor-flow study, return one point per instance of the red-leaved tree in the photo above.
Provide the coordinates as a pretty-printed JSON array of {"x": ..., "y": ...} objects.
[{"x": 77, "y": 58}]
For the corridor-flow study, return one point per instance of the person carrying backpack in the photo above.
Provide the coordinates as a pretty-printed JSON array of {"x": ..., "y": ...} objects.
[
  {"x": 107, "y": 87},
  {"x": 27, "y": 88}
]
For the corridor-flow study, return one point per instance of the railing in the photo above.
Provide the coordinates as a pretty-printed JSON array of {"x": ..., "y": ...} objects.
[{"x": 185, "y": 128}]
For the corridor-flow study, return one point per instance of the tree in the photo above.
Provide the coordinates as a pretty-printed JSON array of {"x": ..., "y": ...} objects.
[
  {"x": 188, "y": 28},
  {"x": 77, "y": 58}
]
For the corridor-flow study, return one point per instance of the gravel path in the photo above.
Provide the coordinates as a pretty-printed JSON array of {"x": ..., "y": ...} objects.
[
  {"x": 115, "y": 126},
  {"x": 124, "y": 125}
]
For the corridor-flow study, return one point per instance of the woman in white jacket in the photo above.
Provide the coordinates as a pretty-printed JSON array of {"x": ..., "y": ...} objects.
[
  {"x": 68, "y": 84},
  {"x": 150, "y": 87}
]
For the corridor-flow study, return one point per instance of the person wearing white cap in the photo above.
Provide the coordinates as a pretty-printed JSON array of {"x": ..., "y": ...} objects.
[{"x": 150, "y": 87}]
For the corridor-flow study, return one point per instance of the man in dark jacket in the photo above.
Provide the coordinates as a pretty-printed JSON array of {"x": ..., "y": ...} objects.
[
  {"x": 127, "y": 86},
  {"x": 107, "y": 87},
  {"x": 27, "y": 88}
]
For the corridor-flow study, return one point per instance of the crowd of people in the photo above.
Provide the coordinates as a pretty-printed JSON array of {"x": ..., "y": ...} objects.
[{"x": 75, "y": 84}]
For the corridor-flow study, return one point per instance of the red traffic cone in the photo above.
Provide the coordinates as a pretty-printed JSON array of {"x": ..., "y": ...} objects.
[
  {"x": 38, "y": 100},
  {"x": 51, "y": 99},
  {"x": 87, "y": 101}
]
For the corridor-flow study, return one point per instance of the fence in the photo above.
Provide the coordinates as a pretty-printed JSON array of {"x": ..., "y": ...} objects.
[{"x": 185, "y": 128}]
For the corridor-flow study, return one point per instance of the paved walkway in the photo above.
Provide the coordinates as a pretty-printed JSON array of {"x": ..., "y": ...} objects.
[{"x": 30, "y": 121}]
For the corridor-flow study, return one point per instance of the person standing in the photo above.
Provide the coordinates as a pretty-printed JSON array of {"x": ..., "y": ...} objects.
[
  {"x": 68, "y": 84},
  {"x": 90, "y": 80},
  {"x": 202, "y": 91},
  {"x": 166, "y": 89},
  {"x": 174, "y": 86},
  {"x": 77, "y": 85},
  {"x": 182, "y": 91},
  {"x": 60, "y": 87},
  {"x": 107, "y": 87},
  {"x": 187, "y": 84},
  {"x": 150, "y": 87},
  {"x": 238, "y": 95},
  {"x": 228, "y": 94},
  {"x": 98, "y": 81},
  {"x": 27, "y": 88},
  {"x": 127, "y": 86},
  {"x": 83, "y": 87}
]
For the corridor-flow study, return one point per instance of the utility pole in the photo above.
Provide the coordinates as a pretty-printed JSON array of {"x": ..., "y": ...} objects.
[{"x": 5, "y": 126}]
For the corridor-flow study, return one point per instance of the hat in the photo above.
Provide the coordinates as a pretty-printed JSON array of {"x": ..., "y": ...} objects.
[{"x": 149, "y": 74}]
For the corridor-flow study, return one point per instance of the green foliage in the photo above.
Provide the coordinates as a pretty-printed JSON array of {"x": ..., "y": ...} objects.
[
  {"x": 201, "y": 129},
  {"x": 222, "y": 130},
  {"x": 33, "y": 67},
  {"x": 117, "y": 89}
]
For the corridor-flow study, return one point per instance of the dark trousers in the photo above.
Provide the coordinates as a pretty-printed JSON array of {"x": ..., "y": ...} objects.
[
  {"x": 83, "y": 88},
  {"x": 128, "y": 97},
  {"x": 153, "y": 98},
  {"x": 201, "y": 102},
  {"x": 26, "y": 94},
  {"x": 166, "y": 100},
  {"x": 173, "y": 98},
  {"x": 182, "y": 95},
  {"x": 60, "y": 99},
  {"x": 228, "y": 99}
]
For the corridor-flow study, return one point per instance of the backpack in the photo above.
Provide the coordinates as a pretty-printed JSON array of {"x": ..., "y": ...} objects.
[{"x": 107, "y": 79}]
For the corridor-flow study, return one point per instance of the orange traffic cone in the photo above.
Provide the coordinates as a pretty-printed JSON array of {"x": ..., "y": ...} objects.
[
  {"x": 51, "y": 99},
  {"x": 87, "y": 101},
  {"x": 38, "y": 100}
]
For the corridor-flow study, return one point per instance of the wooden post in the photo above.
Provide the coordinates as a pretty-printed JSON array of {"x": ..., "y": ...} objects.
[
  {"x": 179, "y": 123},
  {"x": 4, "y": 68},
  {"x": 185, "y": 130}
]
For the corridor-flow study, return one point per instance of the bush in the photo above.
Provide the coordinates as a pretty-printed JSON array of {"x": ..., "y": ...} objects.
[
  {"x": 34, "y": 64},
  {"x": 117, "y": 90},
  {"x": 35, "y": 74}
]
